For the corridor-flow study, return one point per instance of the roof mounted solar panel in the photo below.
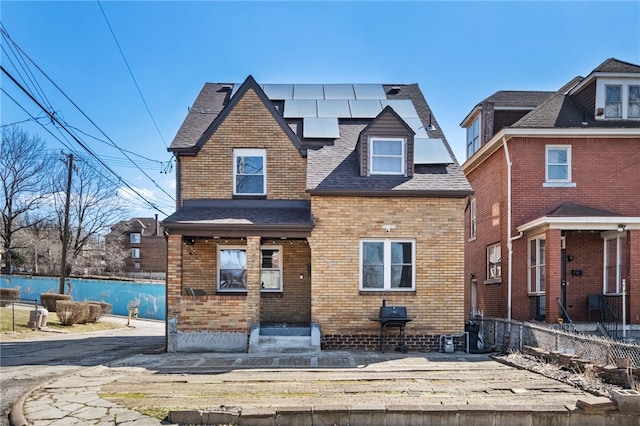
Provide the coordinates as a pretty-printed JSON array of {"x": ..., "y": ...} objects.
[
  {"x": 417, "y": 126},
  {"x": 300, "y": 108},
  {"x": 278, "y": 91},
  {"x": 320, "y": 127},
  {"x": 369, "y": 91},
  {"x": 339, "y": 91},
  {"x": 334, "y": 108},
  {"x": 404, "y": 107},
  {"x": 430, "y": 151},
  {"x": 365, "y": 108},
  {"x": 308, "y": 91}
]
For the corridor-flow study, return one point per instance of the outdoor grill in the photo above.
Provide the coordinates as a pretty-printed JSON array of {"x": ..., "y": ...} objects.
[{"x": 393, "y": 317}]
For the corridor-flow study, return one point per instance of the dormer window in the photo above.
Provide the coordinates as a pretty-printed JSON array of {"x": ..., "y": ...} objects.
[
  {"x": 634, "y": 101},
  {"x": 473, "y": 137},
  {"x": 387, "y": 156},
  {"x": 613, "y": 101},
  {"x": 617, "y": 99}
]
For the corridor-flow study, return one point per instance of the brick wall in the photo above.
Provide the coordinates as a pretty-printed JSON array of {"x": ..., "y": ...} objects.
[
  {"x": 209, "y": 174},
  {"x": 435, "y": 225}
]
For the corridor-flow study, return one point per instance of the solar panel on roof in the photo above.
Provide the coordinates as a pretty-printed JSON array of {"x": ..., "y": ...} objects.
[
  {"x": 278, "y": 91},
  {"x": 365, "y": 108},
  {"x": 369, "y": 91},
  {"x": 339, "y": 91},
  {"x": 308, "y": 91},
  {"x": 321, "y": 127},
  {"x": 299, "y": 108},
  {"x": 416, "y": 125},
  {"x": 404, "y": 107},
  {"x": 333, "y": 108},
  {"x": 430, "y": 151},
  {"x": 236, "y": 86}
]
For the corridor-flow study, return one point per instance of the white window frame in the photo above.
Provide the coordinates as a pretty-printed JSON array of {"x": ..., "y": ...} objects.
[
  {"x": 473, "y": 137},
  {"x": 387, "y": 264},
  {"x": 134, "y": 238},
  {"x": 244, "y": 152},
  {"x": 619, "y": 103},
  {"x": 629, "y": 102},
  {"x": 494, "y": 269},
  {"x": 601, "y": 97},
  {"x": 279, "y": 268},
  {"x": 135, "y": 253},
  {"x": 402, "y": 156},
  {"x": 219, "y": 287},
  {"x": 473, "y": 219},
  {"x": 617, "y": 239},
  {"x": 557, "y": 182},
  {"x": 538, "y": 269}
]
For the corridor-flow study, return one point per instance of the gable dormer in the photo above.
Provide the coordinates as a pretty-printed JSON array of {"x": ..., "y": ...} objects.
[{"x": 386, "y": 146}]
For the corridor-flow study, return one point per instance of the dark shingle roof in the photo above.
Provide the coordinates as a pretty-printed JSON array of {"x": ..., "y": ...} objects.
[
  {"x": 517, "y": 98},
  {"x": 613, "y": 65},
  {"x": 571, "y": 209}
]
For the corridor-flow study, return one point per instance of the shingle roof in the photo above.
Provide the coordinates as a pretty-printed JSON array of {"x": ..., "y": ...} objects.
[
  {"x": 517, "y": 98},
  {"x": 571, "y": 209},
  {"x": 613, "y": 65}
]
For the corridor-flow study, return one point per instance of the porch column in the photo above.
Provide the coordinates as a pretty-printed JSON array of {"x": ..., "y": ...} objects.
[
  {"x": 253, "y": 281},
  {"x": 633, "y": 278},
  {"x": 553, "y": 267}
]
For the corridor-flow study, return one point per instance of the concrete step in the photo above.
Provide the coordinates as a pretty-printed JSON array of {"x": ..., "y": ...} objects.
[{"x": 303, "y": 341}]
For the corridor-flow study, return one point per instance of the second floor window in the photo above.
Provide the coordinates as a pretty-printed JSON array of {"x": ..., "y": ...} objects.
[
  {"x": 134, "y": 238},
  {"x": 387, "y": 156},
  {"x": 558, "y": 163},
  {"x": 473, "y": 137},
  {"x": 473, "y": 221},
  {"x": 613, "y": 101},
  {"x": 249, "y": 172},
  {"x": 135, "y": 253}
]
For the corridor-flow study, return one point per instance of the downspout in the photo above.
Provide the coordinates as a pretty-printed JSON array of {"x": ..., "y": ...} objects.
[{"x": 510, "y": 239}]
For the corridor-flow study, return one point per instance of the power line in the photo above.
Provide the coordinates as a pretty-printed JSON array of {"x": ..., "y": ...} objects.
[
  {"x": 131, "y": 74},
  {"x": 112, "y": 143}
]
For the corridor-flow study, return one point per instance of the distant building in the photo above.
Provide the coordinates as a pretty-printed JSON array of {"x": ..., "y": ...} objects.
[{"x": 146, "y": 246}]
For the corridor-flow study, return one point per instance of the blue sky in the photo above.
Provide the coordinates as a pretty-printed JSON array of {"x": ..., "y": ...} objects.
[{"x": 458, "y": 52}]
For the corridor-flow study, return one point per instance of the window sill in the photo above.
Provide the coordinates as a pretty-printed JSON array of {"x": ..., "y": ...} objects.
[
  {"x": 472, "y": 239},
  {"x": 231, "y": 293},
  {"x": 558, "y": 184},
  {"x": 271, "y": 294},
  {"x": 493, "y": 281},
  {"x": 378, "y": 292}
]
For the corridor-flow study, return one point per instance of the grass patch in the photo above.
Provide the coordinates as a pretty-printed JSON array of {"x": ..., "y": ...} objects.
[
  {"x": 19, "y": 317},
  {"x": 160, "y": 413},
  {"x": 123, "y": 395}
]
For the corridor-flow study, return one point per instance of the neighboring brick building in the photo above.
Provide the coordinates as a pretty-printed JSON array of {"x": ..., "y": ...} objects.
[
  {"x": 310, "y": 204},
  {"x": 555, "y": 215},
  {"x": 146, "y": 247}
]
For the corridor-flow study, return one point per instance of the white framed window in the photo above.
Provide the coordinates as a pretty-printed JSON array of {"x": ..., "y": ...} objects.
[
  {"x": 536, "y": 255},
  {"x": 558, "y": 165},
  {"x": 473, "y": 137},
  {"x": 613, "y": 101},
  {"x": 249, "y": 172},
  {"x": 134, "y": 238},
  {"x": 617, "y": 99},
  {"x": 135, "y": 253},
  {"x": 387, "y": 265},
  {"x": 232, "y": 268},
  {"x": 633, "y": 109},
  {"x": 271, "y": 268},
  {"x": 473, "y": 220},
  {"x": 387, "y": 156},
  {"x": 615, "y": 268},
  {"x": 494, "y": 263},
  {"x": 136, "y": 265}
]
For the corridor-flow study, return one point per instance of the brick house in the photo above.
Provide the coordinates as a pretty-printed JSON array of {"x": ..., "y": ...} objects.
[
  {"x": 304, "y": 207},
  {"x": 554, "y": 222},
  {"x": 145, "y": 245}
]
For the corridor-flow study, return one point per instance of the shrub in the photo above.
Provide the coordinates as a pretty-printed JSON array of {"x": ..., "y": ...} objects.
[
  {"x": 70, "y": 313},
  {"x": 7, "y": 295},
  {"x": 95, "y": 311},
  {"x": 106, "y": 308},
  {"x": 49, "y": 300}
]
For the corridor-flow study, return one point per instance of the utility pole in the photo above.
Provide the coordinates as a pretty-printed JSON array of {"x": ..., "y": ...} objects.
[{"x": 65, "y": 231}]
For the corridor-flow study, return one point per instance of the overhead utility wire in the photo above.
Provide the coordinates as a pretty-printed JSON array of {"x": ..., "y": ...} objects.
[
  {"x": 78, "y": 141},
  {"x": 113, "y": 144},
  {"x": 131, "y": 74}
]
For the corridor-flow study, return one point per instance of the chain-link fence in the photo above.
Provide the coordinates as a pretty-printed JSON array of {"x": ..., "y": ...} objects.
[{"x": 507, "y": 336}]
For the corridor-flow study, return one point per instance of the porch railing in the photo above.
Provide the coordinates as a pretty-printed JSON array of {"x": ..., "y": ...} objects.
[
  {"x": 612, "y": 316},
  {"x": 569, "y": 326},
  {"x": 537, "y": 308}
]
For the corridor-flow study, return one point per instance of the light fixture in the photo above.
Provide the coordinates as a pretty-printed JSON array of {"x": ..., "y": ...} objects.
[
  {"x": 584, "y": 118},
  {"x": 430, "y": 127},
  {"x": 622, "y": 227},
  {"x": 388, "y": 228},
  {"x": 302, "y": 276}
]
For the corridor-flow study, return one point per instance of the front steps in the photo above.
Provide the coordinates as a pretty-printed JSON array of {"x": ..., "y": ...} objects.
[{"x": 284, "y": 339}]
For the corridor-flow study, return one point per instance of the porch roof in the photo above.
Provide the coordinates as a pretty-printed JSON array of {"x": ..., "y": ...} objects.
[
  {"x": 241, "y": 218},
  {"x": 573, "y": 216}
]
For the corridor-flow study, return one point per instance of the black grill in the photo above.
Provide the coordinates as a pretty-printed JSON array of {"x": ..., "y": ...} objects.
[{"x": 393, "y": 317}]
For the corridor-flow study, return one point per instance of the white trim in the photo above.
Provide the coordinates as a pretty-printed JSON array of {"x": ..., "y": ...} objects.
[
  {"x": 548, "y": 148},
  {"x": 473, "y": 219},
  {"x": 403, "y": 155},
  {"x": 220, "y": 248},
  {"x": 607, "y": 239},
  {"x": 538, "y": 265},
  {"x": 281, "y": 263},
  {"x": 596, "y": 223},
  {"x": 386, "y": 259},
  {"x": 250, "y": 152}
]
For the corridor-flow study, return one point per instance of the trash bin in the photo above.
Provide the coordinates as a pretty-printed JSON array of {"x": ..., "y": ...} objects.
[{"x": 44, "y": 313}]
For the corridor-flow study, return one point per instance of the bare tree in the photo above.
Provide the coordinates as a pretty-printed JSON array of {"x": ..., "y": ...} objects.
[
  {"x": 23, "y": 167},
  {"x": 94, "y": 206}
]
